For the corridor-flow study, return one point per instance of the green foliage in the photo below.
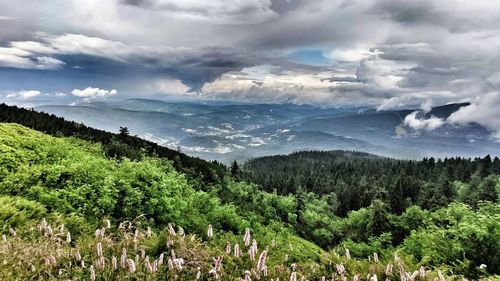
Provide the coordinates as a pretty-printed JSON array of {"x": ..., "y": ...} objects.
[
  {"x": 72, "y": 176},
  {"x": 460, "y": 236},
  {"x": 380, "y": 244},
  {"x": 76, "y": 183},
  {"x": 235, "y": 169},
  {"x": 17, "y": 211},
  {"x": 357, "y": 179},
  {"x": 402, "y": 225},
  {"x": 115, "y": 145},
  {"x": 118, "y": 150},
  {"x": 378, "y": 222}
]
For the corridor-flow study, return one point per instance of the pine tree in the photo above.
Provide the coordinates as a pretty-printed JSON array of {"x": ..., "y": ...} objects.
[
  {"x": 379, "y": 218},
  {"x": 124, "y": 131},
  {"x": 235, "y": 169},
  {"x": 487, "y": 190}
]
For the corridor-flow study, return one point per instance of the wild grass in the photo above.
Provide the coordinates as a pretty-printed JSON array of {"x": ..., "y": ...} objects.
[{"x": 128, "y": 251}]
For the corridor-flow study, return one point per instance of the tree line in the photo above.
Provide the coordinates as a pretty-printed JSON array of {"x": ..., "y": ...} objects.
[{"x": 354, "y": 179}]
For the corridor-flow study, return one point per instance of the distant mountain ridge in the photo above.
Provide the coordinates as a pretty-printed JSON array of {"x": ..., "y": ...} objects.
[
  {"x": 444, "y": 111},
  {"x": 225, "y": 132}
]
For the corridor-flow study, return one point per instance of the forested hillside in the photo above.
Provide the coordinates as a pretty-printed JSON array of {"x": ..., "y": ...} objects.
[
  {"x": 56, "y": 191},
  {"x": 114, "y": 145},
  {"x": 70, "y": 183},
  {"x": 383, "y": 200},
  {"x": 352, "y": 180}
]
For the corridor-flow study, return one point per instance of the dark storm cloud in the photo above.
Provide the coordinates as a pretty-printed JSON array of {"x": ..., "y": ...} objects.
[
  {"x": 218, "y": 11},
  {"x": 194, "y": 67},
  {"x": 286, "y": 6},
  {"x": 431, "y": 76},
  {"x": 408, "y": 12},
  {"x": 278, "y": 6},
  {"x": 195, "y": 72},
  {"x": 454, "y": 16},
  {"x": 341, "y": 79},
  {"x": 137, "y": 2}
]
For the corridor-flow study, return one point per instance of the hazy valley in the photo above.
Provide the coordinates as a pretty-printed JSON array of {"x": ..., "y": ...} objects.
[{"x": 227, "y": 132}]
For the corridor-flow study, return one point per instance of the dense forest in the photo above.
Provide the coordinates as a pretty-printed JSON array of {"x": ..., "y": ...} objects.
[
  {"x": 73, "y": 209},
  {"x": 354, "y": 180}
]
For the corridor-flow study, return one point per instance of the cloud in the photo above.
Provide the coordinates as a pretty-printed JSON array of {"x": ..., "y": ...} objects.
[
  {"x": 267, "y": 83},
  {"x": 414, "y": 53},
  {"x": 169, "y": 86},
  {"x": 350, "y": 79},
  {"x": 90, "y": 93},
  {"x": 92, "y": 46},
  {"x": 6, "y": 18},
  {"x": 416, "y": 122},
  {"x": 192, "y": 66},
  {"x": 28, "y": 94},
  {"x": 455, "y": 16},
  {"x": 482, "y": 110},
  {"x": 48, "y": 63},
  {"x": 18, "y": 58},
  {"x": 350, "y": 55},
  {"x": 33, "y": 47},
  {"x": 409, "y": 13},
  {"x": 77, "y": 44},
  {"x": 216, "y": 11},
  {"x": 24, "y": 95},
  {"x": 423, "y": 100},
  {"x": 394, "y": 102}
]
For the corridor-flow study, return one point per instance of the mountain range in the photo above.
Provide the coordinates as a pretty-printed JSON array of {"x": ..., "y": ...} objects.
[{"x": 227, "y": 132}]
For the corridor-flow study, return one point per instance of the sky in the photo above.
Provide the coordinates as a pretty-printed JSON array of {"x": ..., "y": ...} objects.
[{"x": 387, "y": 54}]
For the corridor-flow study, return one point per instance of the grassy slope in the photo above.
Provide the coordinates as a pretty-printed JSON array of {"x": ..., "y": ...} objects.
[
  {"x": 207, "y": 172},
  {"x": 69, "y": 181}
]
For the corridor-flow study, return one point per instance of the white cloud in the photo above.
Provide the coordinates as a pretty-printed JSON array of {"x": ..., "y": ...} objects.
[
  {"x": 92, "y": 93},
  {"x": 484, "y": 110},
  {"x": 350, "y": 55},
  {"x": 36, "y": 55},
  {"x": 6, "y": 18},
  {"x": 394, "y": 102},
  {"x": 19, "y": 58},
  {"x": 33, "y": 47},
  {"x": 8, "y": 59},
  {"x": 87, "y": 45},
  {"x": 169, "y": 87},
  {"x": 24, "y": 95},
  {"x": 48, "y": 63},
  {"x": 28, "y": 94},
  {"x": 425, "y": 100},
  {"x": 272, "y": 84},
  {"x": 413, "y": 121},
  {"x": 427, "y": 105}
]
